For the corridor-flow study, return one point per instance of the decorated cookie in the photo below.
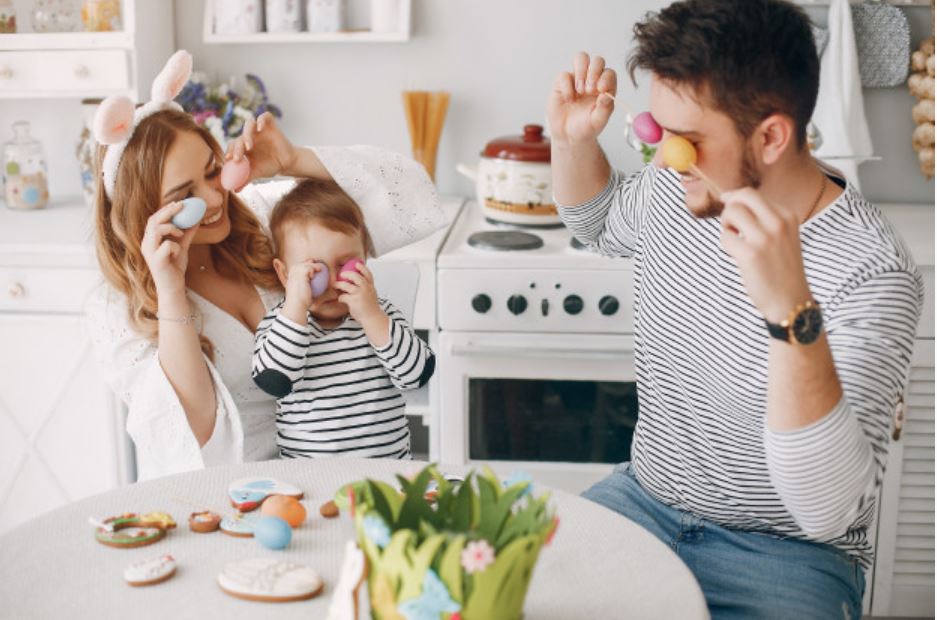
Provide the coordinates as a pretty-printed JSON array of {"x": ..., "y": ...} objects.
[
  {"x": 344, "y": 603},
  {"x": 329, "y": 509},
  {"x": 205, "y": 521},
  {"x": 133, "y": 530},
  {"x": 241, "y": 525},
  {"x": 269, "y": 580},
  {"x": 151, "y": 571},
  {"x": 247, "y": 494}
]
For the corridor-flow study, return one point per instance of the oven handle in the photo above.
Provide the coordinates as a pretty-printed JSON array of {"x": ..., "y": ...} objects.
[{"x": 532, "y": 349}]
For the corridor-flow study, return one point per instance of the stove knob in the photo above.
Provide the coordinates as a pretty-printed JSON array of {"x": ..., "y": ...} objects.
[
  {"x": 545, "y": 307},
  {"x": 608, "y": 305},
  {"x": 517, "y": 304},
  {"x": 481, "y": 303},
  {"x": 573, "y": 304}
]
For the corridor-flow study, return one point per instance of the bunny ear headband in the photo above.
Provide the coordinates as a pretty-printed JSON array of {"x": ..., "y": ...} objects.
[{"x": 116, "y": 119}]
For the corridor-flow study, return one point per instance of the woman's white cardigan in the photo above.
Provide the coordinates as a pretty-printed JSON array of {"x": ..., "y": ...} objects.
[{"x": 400, "y": 206}]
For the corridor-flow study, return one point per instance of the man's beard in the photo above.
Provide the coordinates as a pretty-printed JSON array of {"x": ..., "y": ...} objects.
[{"x": 750, "y": 178}]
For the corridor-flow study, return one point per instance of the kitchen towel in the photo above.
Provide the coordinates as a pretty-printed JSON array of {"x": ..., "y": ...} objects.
[{"x": 840, "y": 113}]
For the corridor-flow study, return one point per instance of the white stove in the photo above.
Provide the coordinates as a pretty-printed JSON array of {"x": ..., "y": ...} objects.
[
  {"x": 535, "y": 353},
  {"x": 551, "y": 287}
]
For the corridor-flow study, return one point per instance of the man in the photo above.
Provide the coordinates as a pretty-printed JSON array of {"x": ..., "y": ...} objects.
[{"x": 774, "y": 322}]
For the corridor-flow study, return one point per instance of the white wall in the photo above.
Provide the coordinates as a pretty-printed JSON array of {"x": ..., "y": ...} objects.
[{"x": 497, "y": 58}]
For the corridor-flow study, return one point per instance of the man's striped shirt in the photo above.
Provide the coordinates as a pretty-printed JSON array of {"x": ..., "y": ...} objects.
[
  {"x": 337, "y": 394},
  {"x": 701, "y": 442}
]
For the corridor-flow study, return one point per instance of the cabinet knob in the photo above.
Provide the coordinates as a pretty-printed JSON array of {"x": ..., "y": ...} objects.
[
  {"x": 6, "y": 73},
  {"x": 82, "y": 72},
  {"x": 16, "y": 290}
]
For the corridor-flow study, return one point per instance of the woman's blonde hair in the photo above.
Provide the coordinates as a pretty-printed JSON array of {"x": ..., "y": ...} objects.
[{"x": 246, "y": 253}]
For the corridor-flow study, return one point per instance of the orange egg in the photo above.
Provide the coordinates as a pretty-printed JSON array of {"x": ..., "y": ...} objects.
[
  {"x": 678, "y": 153},
  {"x": 287, "y": 508}
]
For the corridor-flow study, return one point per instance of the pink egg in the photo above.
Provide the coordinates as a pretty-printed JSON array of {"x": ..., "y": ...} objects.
[
  {"x": 351, "y": 265},
  {"x": 235, "y": 174},
  {"x": 646, "y": 128}
]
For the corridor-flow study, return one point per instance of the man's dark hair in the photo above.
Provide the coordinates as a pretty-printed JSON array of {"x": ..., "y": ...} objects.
[{"x": 747, "y": 58}]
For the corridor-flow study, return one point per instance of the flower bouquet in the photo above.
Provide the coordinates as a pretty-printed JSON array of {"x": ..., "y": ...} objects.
[
  {"x": 223, "y": 108},
  {"x": 448, "y": 550}
]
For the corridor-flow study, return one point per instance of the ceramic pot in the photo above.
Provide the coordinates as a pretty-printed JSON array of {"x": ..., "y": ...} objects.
[{"x": 513, "y": 179}]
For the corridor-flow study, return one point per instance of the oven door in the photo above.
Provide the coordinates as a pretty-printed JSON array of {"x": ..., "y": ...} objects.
[{"x": 561, "y": 407}]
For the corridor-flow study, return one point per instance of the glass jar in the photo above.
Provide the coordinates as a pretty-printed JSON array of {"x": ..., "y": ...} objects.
[
  {"x": 7, "y": 17},
  {"x": 56, "y": 16},
  {"x": 284, "y": 15},
  {"x": 24, "y": 170},
  {"x": 238, "y": 16},
  {"x": 101, "y": 15},
  {"x": 325, "y": 15},
  {"x": 86, "y": 150}
]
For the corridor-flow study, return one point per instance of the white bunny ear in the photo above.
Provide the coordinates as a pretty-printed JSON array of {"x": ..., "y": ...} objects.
[
  {"x": 113, "y": 122},
  {"x": 172, "y": 78}
]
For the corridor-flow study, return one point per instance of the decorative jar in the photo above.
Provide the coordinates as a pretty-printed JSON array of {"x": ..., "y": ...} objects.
[{"x": 24, "y": 170}]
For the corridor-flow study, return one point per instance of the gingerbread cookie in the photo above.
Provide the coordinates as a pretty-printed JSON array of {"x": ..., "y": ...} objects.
[
  {"x": 241, "y": 525},
  {"x": 205, "y": 521},
  {"x": 344, "y": 603},
  {"x": 247, "y": 494},
  {"x": 270, "y": 580},
  {"x": 132, "y": 530},
  {"x": 150, "y": 572}
]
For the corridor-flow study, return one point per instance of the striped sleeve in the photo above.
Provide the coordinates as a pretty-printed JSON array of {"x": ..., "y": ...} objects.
[
  {"x": 279, "y": 353},
  {"x": 407, "y": 359},
  {"x": 611, "y": 222},
  {"x": 827, "y": 473}
]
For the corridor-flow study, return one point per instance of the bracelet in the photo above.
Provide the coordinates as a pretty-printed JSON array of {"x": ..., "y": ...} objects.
[{"x": 186, "y": 320}]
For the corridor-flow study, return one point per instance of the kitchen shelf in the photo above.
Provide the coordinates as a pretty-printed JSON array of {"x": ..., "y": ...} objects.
[
  {"x": 65, "y": 41},
  {"x": 345, "y": 36}
]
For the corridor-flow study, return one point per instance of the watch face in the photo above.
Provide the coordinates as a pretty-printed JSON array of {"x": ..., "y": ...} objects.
[{"x": 807, "y": 325}]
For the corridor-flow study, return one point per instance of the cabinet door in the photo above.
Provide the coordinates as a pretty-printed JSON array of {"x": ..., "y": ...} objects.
[
  {"x": 904, "y": 566},
  {"x": 58, "y": 429}
]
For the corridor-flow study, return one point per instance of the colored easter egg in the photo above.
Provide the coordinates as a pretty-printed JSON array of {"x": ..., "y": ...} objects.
[
  {"x": 273, "y": 532},
  {"x": 235, "y": 174},
  {"x": 646, "y": 128},
  {"x": 678, "y": 153},
  {"x": 287, "y": 508},
  {"x": 320, "y": 281},
  {"x": 351, "y": 265},
  {"x": 193, "y": 210}
]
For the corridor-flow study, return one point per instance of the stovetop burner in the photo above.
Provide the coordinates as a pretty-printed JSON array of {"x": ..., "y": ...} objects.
[{"x": 505, "y": 240}]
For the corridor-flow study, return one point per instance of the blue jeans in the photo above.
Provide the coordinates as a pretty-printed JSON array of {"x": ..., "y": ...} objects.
[{"x": 743, "y": 574}]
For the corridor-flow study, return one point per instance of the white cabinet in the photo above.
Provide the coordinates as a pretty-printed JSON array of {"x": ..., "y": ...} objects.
[
  {"x": 61, "y": 433},
  {"x": 88, "y": 64}
]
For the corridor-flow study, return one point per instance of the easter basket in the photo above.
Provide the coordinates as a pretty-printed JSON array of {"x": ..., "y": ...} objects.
[{"x": 448, "y": 550}]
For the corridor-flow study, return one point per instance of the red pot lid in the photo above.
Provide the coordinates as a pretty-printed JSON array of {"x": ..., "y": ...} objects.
[{"x": 532, "y": 146}]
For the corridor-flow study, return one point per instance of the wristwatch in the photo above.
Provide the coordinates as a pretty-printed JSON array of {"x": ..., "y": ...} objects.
[{"x": 802, "y": 326}]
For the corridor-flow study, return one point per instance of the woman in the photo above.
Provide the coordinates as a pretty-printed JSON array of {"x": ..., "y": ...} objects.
[{"x": 173, "y": 327}]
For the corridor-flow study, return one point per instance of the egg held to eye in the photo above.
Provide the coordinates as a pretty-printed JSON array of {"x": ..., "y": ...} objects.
[
  {"x": 235, "y": 174},
  {"x": 678, "y": 153},
  {"x": 193, "y": 210},
  {"x": 320, "y": 281},
  {"x": 646, "y": 128},
  {"x": 351, "y": 265}
]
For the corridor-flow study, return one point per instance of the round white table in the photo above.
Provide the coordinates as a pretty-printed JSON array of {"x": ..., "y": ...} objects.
[{"x": 599, "y": 565}]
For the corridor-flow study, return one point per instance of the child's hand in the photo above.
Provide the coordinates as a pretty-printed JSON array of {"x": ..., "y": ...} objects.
[
  {"x": 299, "y": 290},
  {"x": 359, "y": 294},
  {"x": 268, "y": 150}
]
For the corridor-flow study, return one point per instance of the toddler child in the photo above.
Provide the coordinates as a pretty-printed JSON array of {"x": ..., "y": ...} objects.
[{"x": 338, "y": 361}]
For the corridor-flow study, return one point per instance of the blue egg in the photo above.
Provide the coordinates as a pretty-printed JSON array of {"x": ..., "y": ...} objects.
[
  {"x": 273, "y": 532},
  {"x": 320, "y": 281},
  {"x": 193, "y": 210}
]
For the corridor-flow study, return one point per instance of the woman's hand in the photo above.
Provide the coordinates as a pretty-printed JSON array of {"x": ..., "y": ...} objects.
[
  {"x": 268, "y": 150},
  {"x": 577, "y": 108},
  {"x": 165, "y": 249}
]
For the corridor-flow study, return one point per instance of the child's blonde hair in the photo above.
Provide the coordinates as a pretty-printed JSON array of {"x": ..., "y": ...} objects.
[{"x": 323, "y": 202}]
